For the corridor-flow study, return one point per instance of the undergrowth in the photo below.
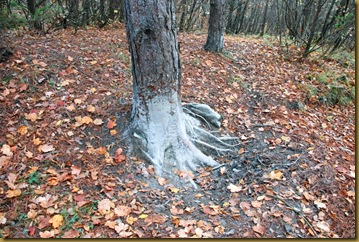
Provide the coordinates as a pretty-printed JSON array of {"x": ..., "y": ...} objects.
[{"x": 330, "y": 89}]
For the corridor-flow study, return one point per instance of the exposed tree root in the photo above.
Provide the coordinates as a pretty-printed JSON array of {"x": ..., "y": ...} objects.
[{"x": 176, "y": 141}]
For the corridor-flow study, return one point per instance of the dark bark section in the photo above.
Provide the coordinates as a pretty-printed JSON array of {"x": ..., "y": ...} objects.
[
  {"x": 152, "y": 37},
  {"x": 216, "y": 26}
]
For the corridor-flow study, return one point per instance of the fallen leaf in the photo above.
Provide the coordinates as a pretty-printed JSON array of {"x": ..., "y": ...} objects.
[
  {"x": 46, "y": 148},
  {"x": 276, "y": 175},
  {"x": 111, "y": 124},
  {"x": 234, "y": 188},
  {"x": 98, "y": 121},
  {"x": 111, "y": 224},
  {"x": 161, "y": 181},
  {"x": 31, "y": 230},
  {"x": 76, "y": 170},
  {"x": 90, "y": 108},
  {"x": 31, "y": 116},
  {"x": 73, "y": 233},
  {"x": 6, "y": 150},
  {"x": 47, "y": 234},
  {"x": 323, "y": 226},
  {"x": 13, "y": 193},
  {"x": 143, "y": 216},
  {"x": 86, "y": 120},
  {"x": 256, "y": 204},
  {"x": 22, "y": 130},
  {"x": 56, "y": 221},
  {"x": 70, "y": 58},
  {"x": 176, "y": 211},
  {"x": 104, "y": 206},
  {"x": 122, "y": 210},
  {"x": 259, "y": 229}
]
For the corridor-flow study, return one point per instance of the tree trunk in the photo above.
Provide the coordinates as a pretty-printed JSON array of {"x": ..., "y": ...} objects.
[
  {"x": 159, "y": 128},
  {"x": 216, "y": 24}
]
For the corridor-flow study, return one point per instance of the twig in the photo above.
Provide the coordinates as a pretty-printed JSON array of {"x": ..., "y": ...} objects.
[{"x": 298, "y": 211}]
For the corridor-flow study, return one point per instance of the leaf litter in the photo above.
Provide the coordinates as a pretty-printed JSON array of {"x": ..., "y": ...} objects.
[{"x": 65, "y": 172}]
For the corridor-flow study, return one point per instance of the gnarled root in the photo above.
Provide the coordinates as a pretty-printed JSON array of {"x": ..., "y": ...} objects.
[{"x": 175, "y": 141}]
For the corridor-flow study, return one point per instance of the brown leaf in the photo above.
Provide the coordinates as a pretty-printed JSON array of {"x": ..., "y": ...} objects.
[
  {"x": 176, "y": 211},
  {"x": 122, "y": 210},
  {"x": 13, "y": 193},
  {"x": 256, "y": 204},
  {"x": 46, "y": 148},
  {"x": 259, "y": 229},
  {"x": 104, "y": 206},
  {"x": 71, "y": 234},
  {"x": 76, "y": 170},
  {"x": 47, "y": 234},
  {"x": 31, "y": 116}
]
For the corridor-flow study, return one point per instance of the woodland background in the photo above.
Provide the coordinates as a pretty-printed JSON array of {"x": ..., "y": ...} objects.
[{"x": 284, "y": 84}]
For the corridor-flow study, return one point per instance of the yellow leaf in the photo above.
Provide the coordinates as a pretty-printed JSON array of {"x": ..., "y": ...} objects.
[
  {"x": 22, "y": 130},
  {"x": 56, "y": 221},
  {"x": 174, "y": 189},
  {"x": 143, "y": 216},
  {"x": 13, "y": 193},
  {"x": 276, "y": 175},
  {"x": 70, "y": 58},
  {"x": 113, "y": 132},
  {"x": 130, "y": 220}
]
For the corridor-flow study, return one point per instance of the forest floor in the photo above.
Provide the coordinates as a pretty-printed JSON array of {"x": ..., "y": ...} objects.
[{"x": 65, "y": 99}]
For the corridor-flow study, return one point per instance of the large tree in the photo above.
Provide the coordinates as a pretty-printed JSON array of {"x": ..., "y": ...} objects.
[
  {"x": 160, "y": 129},
  {"x": 216, "y": 26}
]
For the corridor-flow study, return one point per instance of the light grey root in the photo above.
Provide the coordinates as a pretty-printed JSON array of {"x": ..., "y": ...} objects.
[
  {"x": 172, "y": 140},
  {"x": 204, "y": 112}
]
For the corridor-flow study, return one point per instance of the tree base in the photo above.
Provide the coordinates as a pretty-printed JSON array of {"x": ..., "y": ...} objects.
[{"x": 173, "y": 140}]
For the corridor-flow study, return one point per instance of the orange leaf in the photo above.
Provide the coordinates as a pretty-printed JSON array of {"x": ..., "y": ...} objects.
[
  {"x": 111, "y": 124},
  {"x": 22, "y": 130},
  {"x": 101, "y": 150}
]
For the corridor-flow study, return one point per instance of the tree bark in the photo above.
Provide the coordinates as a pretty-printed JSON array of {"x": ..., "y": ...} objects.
[
  {"x": 216, "y": 26},
  {"x": 159, "y": 127}
]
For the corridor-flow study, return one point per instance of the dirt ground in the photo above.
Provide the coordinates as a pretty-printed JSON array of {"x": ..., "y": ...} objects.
[{"x": 65, "y": 99}]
